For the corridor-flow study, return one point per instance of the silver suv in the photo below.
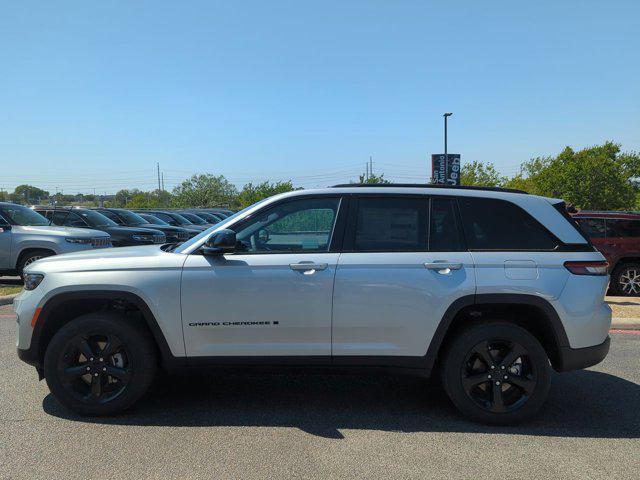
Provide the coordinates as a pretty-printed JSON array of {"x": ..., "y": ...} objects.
[
  {"x": 490, "y": 288},
  {"x": 25, "y": 236}
]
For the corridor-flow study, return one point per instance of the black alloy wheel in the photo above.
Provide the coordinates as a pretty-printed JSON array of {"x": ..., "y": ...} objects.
[
  {"x": 100, "y": 363},
  {"x": 496, "y": 372},
  {"x": 498, "y": 375},
  {"x": 95, "y": 368}
]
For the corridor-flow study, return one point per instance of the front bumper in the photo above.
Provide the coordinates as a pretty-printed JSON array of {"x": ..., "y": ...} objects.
[{"x": 578, "y": 358}]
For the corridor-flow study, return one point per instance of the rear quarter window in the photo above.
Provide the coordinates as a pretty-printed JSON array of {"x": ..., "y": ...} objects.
[
  {"x": 592, "y": 227},
  {"x": 492, "y": 224}
]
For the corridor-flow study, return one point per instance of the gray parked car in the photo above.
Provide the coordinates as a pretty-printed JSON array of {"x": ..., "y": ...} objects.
[{"x": 26, "y": 236}]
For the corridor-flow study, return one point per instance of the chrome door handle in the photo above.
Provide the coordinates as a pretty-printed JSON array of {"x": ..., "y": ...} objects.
[
  {"x": 443, "y": 267},
  {"x": 308, "y": 268}
]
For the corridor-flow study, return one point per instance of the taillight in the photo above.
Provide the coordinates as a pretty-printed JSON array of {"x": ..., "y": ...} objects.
[{"x": 587, "y": 268}]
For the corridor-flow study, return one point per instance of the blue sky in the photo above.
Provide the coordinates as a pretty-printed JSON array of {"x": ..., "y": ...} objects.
[{"x": 93, "y": 94}]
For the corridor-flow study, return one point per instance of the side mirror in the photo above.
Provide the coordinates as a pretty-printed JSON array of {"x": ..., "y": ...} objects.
[
  {"x": 4, "y": 227},
  {"x": 220, "y": 243}
]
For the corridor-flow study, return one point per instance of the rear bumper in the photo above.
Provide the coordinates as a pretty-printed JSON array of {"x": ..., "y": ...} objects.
[{"x": 578, "y": 358}]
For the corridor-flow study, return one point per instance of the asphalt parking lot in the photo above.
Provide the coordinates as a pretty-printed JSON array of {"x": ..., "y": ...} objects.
[{"x": 288, "y": 426}]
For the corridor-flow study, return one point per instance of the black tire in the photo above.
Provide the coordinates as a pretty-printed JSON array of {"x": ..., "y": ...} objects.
[
  {"x": 30, "y": 257},
  {"x": 121, "y": 366},
  {"x": 478, "y": 392},
  {"x": 622, "y": 283}
]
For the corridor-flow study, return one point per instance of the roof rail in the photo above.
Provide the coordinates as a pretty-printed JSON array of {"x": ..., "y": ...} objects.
[{"x": 429, "y": 185}]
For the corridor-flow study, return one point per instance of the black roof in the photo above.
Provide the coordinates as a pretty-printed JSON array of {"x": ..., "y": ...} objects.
[{"x": 429, "y": 185}]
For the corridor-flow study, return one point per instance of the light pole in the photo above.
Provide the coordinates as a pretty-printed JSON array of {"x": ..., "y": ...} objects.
[{"x": 446, "y": 155}]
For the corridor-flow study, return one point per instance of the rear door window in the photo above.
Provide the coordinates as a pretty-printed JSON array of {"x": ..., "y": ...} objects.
[
  {"x": 492, "y": 224},
  {"x": 391, "y": 224},
  {"x": 444, "y": 231},
  {"x": 621, "y": 227}
]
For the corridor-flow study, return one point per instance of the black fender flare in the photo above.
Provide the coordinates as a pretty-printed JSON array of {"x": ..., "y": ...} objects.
[
  {"x": 499, "y": 299},
  {"x": 35, "y": 353}
]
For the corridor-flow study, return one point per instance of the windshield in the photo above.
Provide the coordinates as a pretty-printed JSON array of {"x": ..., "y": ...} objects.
[
  {"x": 180, "y": 219},
  {"x": 130, "y": 218},
  {"x": 95, "y": 219},
  {"x": 184, "y": 246},
  {"x": 19, "y": 215},
  {"x": 153, "y": 220},
  {"x": 209, "y": 217},
  {"x": 193, "y": 218}
]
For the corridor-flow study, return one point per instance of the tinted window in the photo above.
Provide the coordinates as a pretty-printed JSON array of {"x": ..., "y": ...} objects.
[
  {"x": 444, "y": 233},
  {"x": 391, "y": 225},
  {"x": 491, "y": 224},
  {"x": 297, "y": 226},
  {"x": 74, "y": 220},
  {"x": 59, "y": 217},
  {"x": 112, "y": 216},
  {"x": 623, "y": 228},
  {"x": 20, "y": 215},
  {"x": 592, "y": 227}
]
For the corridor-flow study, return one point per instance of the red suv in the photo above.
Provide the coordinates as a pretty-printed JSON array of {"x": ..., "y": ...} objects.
[{"x": 617, "y": 236}]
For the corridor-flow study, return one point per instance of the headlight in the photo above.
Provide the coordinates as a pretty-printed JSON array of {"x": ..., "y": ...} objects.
[
  {"x": 143, "y": 238},
  {"x": 32, "y": 280},
  {"x": 82, "y": 241}
]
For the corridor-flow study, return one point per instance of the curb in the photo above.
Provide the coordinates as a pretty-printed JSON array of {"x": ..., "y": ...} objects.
[
  {"x": 7, "y": 299},
  {"x": 625, "y": 323}
]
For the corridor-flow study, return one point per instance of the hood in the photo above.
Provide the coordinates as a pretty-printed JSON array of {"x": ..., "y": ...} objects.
[
  {"x": 104, "y": 259},
  {"x": 59, "y": 231}
]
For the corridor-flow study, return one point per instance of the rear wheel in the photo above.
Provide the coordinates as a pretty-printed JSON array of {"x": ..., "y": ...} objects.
[
  {"x": 496, "y": 373},
  {"x": 625, "y": 280},
  {"x": 99, "y": 364}
]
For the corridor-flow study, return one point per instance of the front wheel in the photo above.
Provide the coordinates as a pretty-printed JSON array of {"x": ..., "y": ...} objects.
[
  {"x": 100, "y": 364},
  {"x": 496, "y": 373},
  {"x": 28, "y": 258}
]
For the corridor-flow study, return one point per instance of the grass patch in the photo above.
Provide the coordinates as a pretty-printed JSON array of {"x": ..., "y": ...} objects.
[{"x": 10, "y": 290}]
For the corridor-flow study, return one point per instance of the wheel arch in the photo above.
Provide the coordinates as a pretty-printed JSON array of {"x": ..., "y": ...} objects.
[
  {"x": 49, "y": 321},
  {"x": 31, "y": 248},
  {"x": 542, "y": 321}
]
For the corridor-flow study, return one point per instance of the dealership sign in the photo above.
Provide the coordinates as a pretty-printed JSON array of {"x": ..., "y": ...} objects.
[{"x": 445, "y": 169}]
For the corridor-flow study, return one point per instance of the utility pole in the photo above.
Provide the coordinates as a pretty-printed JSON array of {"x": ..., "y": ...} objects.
[
  {"x": 446, "y": 155},
  {"x": 163, "y": 181},
  {"x": 371, "y": 166},
  {"x": 158, "y": 167}
]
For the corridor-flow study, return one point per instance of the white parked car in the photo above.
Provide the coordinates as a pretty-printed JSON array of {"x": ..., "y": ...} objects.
[{"x": 488, "y": 287}]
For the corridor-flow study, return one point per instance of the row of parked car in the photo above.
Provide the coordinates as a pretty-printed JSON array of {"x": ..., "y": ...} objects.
[{"x": 30, "y": 233}]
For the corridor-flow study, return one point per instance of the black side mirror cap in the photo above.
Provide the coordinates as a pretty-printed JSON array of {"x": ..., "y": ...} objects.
[{"x": 219, "y": 243}]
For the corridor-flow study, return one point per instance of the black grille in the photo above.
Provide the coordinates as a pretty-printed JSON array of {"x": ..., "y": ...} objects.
[
  {"x": 159, "y": 239},
  {"x": 100, "y": 242}
]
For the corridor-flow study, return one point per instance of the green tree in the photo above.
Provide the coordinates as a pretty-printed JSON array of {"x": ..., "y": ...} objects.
[
  {"x": 204, "y": 190},
  {"x": 598, "y": 177},
  {"x": 373, "y": 178},
  {"x": 153, "y": 199},
  {"x": 251, "y": 193},
  {"x": 480, "y": 174},
  {"x": 30, "y": 194}
]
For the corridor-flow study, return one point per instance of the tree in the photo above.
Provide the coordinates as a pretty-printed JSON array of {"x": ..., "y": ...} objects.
[
  {"x": 598, "y": 177},
  {"x": 373, "y": 178},
  {"x": 30, "y": 194},
  {"x": 204, "y": 190},
  {"x": 480, "y": 174},
  {"x": 251, "y": 193}
]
